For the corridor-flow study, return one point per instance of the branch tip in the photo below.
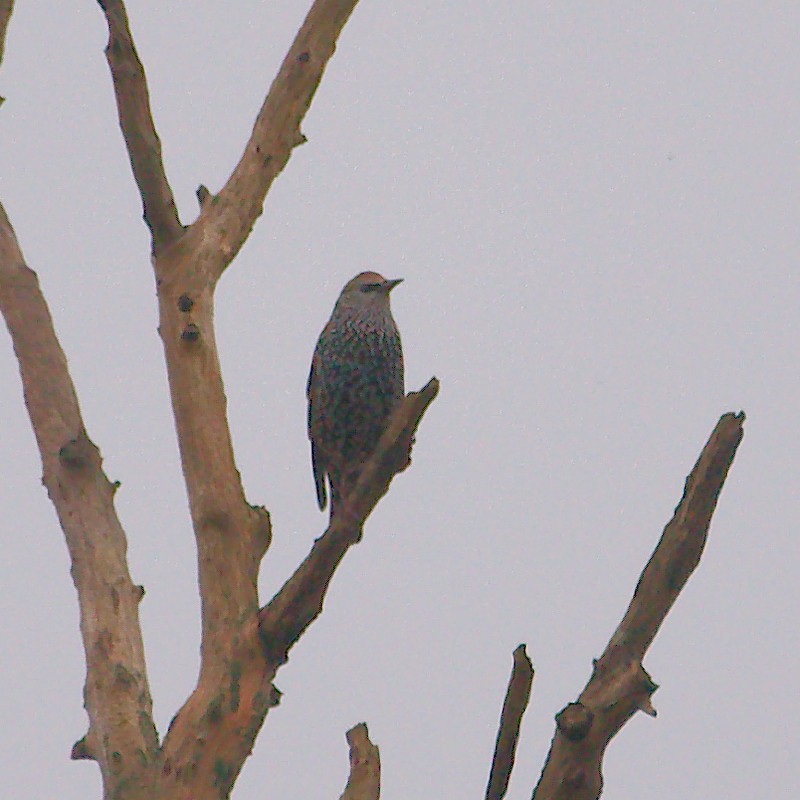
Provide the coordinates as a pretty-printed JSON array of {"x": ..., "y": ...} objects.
[
  {"x": 138, "y": 128},
  {"x": 364, "y": 781},
  {"x": 516, "y": 701},
  {"x": 647, "y": 707}
]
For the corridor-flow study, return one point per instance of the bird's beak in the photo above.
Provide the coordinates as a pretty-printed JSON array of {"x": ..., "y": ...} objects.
[{"x": 389, "y": 285}]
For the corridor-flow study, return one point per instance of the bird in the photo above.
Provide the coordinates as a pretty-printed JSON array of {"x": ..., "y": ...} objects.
[{"x": 355, "y": 382}]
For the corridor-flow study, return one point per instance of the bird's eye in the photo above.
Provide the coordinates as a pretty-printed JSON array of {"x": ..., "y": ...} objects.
[{"x": 370, "y": 287}]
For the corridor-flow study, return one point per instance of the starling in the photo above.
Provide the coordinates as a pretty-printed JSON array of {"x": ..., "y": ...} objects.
[{"x": 356, "y": 380}]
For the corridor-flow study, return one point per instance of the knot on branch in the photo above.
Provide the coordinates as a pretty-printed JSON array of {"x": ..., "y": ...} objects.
[
  {"x": 77, "y": 453},
  {"x": 81, "y": 751},
  {"x": 261, "y": 533},
  {"x": 575, "y": 778},
  {"x": 191, "y": 333},
  {"x": 574, "y": 722},
  {"x": 643, "y": 689}
]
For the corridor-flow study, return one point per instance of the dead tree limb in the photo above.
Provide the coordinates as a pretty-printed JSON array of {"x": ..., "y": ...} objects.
[
  {"x": 619, "y": 685},
  {"x": 299, "y": 602},
  {"x": 121, "y": 736},
  {"x": 214, "y": 732},
  {"x": 364, "y": 781},
  {"x": 516, "y": 701},
  {"x": 276, "y": 132},
  {"x": 136, "y": 122},
  {"x": 6, "y": 7}
]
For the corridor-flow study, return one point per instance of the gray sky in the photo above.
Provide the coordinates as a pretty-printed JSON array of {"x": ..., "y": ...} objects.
[{"x": 595, "y": 208}]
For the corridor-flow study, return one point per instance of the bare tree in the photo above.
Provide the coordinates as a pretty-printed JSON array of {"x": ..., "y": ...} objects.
[{"x": 244, "y": 643}]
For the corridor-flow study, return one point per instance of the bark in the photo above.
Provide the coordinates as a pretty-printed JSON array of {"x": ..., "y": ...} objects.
[
  {"x": 619, "y": 685},
  {"x": 215, "y": 731}
]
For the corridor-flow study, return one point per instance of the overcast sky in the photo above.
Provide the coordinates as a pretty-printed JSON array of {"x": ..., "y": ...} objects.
[{"x": 595, "y": 208}]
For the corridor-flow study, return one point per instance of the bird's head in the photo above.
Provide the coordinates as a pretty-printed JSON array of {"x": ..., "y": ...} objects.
[{"x": 368, "y": 293}]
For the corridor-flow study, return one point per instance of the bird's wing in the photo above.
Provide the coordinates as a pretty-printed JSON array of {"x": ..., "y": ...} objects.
[
  {"x": 318, "y": 465},
  {"x": 399, "y": 371}
]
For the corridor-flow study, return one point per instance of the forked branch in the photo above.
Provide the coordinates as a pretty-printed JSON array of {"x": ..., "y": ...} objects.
[
  {"x": 214, "y": 732},
  {"x": 225, "y": 224},
  {"x": 232, "y": 536},
  {"x": 277, "y": 128}
]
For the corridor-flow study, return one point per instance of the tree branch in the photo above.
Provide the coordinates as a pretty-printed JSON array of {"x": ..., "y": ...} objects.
[
  {"x": 619, "y": 685},
  {"x": 681, "y": 545},
  {"x": 136, "y": 122},
  {"x": 121, "y": 737},
  {"x": 6, "y": 7},
  {"x": 517, "y": 696},
  {"x": 232, "y": 536},
  {"x": 213, "y": 733},
  {"x": 364, "y": 782},
  {"x": 276, "y": 132},
  {"x": 299, "y": 602}
]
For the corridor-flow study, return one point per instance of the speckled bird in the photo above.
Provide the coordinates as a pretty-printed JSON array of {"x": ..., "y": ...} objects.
[{"x": 356, "y": 380}]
